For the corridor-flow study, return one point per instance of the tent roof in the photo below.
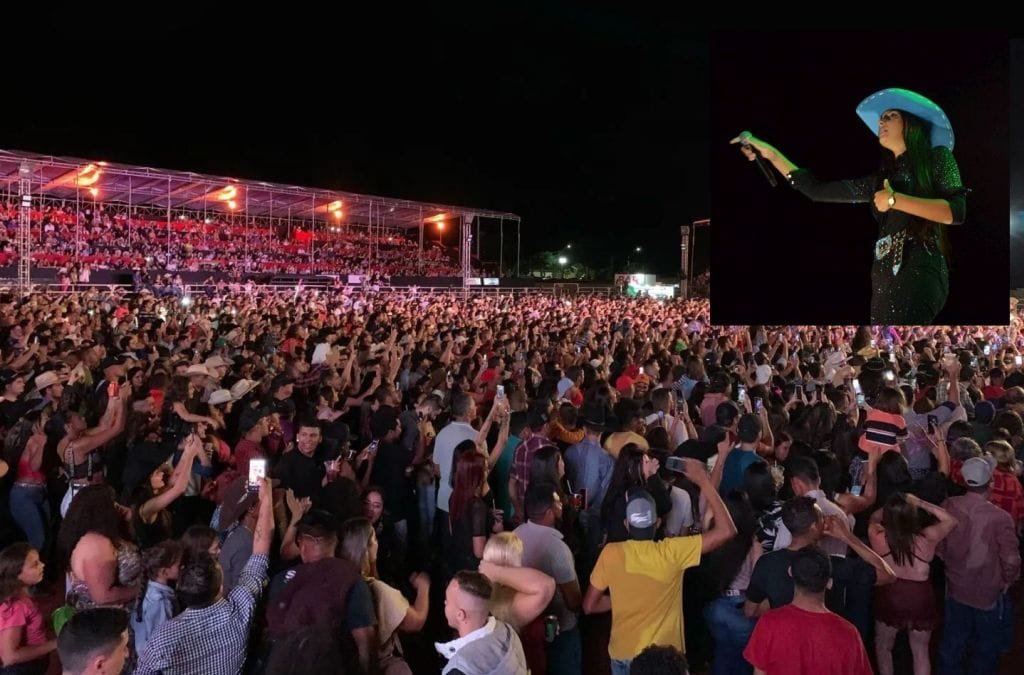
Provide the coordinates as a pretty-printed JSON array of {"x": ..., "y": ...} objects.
[{"x": 58, "y": 177}]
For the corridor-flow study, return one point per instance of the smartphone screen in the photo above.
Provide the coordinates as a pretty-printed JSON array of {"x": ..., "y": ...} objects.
[
  {"x": 673, "y": 463},
  {"x": 257, "y": 472},
  {"x": 741, "y": 394},
  {"x": 758, "y": 405},
  {"x": 500, "y": 391},
  {"x": 987, "y": 350},
  {"x": 1017, "y": 360}
]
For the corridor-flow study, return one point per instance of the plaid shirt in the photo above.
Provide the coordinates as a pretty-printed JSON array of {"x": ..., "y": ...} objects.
[
  {"x": 522, "y": 457},
  {"x": 212, "y": 640}
]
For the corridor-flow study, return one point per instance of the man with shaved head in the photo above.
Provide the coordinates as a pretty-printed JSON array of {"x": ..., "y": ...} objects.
[{"x": 484, "y": 645}]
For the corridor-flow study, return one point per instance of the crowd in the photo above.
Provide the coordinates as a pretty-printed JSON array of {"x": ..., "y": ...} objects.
[
  {"x": 77, "y": 239},
  {"x": 395, "y": 482}
]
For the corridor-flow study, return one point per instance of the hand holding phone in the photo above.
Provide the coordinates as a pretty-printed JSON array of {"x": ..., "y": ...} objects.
[{"x": 257, "y": 472}]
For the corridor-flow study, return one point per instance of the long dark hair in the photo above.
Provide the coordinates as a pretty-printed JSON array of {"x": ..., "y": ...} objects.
[
  {"x": 544, "y": 467},
  {"x": 469, "y": 477},
  {"x": 901, "y": 526},
  {"x": 724, "y": 562},
  {"x": 628, "y": 473},
  {"x": 92, "y": 510},
  {"x": 917, "y": 136},
  {"x": 17, "y": 438},
  {"x": 12, "y": 560}
]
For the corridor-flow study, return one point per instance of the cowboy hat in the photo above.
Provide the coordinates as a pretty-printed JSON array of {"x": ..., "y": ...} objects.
[{"x": 871, "y": 108}]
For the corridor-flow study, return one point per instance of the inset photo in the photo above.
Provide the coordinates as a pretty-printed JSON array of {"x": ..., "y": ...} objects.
[{"x": 860, "y": 178}]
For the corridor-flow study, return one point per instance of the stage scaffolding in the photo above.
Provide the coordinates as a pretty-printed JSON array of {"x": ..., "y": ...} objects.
[{"x": 160, "y": 197}]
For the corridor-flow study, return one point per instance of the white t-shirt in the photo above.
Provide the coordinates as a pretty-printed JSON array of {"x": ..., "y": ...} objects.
[{"x": 680, "y": 518}]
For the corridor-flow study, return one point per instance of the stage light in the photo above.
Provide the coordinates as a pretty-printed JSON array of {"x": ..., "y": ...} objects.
[
  {"x": 186, "y": 301},
  {"x": 440, "y": 225},
  {"x": 94, "y": 192},
  {"x": 638, "y": 249},
  {"x": 335, "y": 205},
  {"x": 227, "y": 194},
  {"x": 232, "y": 205},
  {"x": 338, "y": 214},
  {"x": 206, "y": 221},
  {"x": 88, "y": 175}
]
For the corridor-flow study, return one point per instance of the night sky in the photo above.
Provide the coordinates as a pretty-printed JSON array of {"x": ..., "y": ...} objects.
[
  {"x": 591, "y": 125},
  {"x": 780, "y": 258}
]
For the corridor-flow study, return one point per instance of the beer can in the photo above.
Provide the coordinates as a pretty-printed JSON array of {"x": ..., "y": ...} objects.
[{"x": 550, "y": 628}]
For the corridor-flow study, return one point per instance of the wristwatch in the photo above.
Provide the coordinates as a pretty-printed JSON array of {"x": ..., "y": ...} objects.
[{"x": 892, "y": 199}]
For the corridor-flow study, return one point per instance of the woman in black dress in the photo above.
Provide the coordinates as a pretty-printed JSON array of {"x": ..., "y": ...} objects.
[{"x": 914, "y": 195}]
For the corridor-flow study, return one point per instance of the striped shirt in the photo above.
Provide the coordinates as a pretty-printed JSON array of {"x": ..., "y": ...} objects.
[{"x": 882, "y": 431}]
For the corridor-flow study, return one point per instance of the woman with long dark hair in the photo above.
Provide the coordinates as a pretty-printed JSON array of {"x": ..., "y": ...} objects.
[
  {"x": 914, "y": 195},
  {"x": 728, "y": 569},
  {"x": 909, "y": 603},
  {"x": 25, "y": 645},
  {"x": 28, "y": 502},
  {"x": 101, "y": 559},
  {"x": 469, "y": 517},
  {"x": 634, "y": 468}
]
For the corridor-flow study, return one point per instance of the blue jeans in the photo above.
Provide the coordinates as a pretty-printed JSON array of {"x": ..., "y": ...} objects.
[
  {"x": 980, "y": 636},
  {"x": 731, "y": 630},
  {"x": 621, "y": 666},
  {"x": 31, "y": 511},
  {"x": 565, "y": 654}
]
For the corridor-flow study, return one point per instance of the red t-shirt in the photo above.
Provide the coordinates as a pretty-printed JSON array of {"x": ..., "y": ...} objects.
[
  {"x": 793, "y": 641},
  {"x": 993, "y": 392}
]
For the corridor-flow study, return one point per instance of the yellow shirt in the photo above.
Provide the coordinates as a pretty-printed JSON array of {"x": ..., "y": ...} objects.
[{"x": 645, "y": 581}]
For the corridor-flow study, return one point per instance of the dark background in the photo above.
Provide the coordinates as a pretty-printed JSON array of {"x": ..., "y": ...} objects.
[
  {"x": 780, "y": 258},
  {"x": 590, "y": 124}
]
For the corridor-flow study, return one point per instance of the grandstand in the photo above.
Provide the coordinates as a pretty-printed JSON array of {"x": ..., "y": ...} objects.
[{"x": 94, "y": 216}]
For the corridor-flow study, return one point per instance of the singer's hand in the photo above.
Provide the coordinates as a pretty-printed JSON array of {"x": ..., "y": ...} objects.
[
  {"x": 882, "y": 197},
  {"x": 746, "y": 139}
]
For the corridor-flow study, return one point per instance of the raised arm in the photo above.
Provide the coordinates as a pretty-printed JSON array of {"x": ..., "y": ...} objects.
[
  {"x": 723, "y": 529},
  {"x": 534, "y": 589},
  {"x": 179, "y": 481},
  {"x": 940, "y": 530}
]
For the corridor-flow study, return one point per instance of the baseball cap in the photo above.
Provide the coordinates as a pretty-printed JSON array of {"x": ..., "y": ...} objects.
[
  {"x": 976, "y": 472},
  {"x": 641, "y": 514}
]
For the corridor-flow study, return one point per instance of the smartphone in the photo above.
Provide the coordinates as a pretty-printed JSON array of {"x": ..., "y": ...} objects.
[
  {"x": 257, "y": 472},
  {"x": 676, "y": 464},
  {"x": 741, "y": 394},
  {"x": 350, "y": 454},
  {"x": 889, "y": 376},
  {"x": 873, "y": 343},
  {"x": 933, "y": 423},
  {"x": 499, "y": 391},
  {"x": 758, "y": 405},
  {"x": 987, "y": 350},
  {"x": 859, "y": 393},
  {"x": 1017, "y": 359},
  {"x": 892, "y": 358},
  {"x": 856, "y": 490}
]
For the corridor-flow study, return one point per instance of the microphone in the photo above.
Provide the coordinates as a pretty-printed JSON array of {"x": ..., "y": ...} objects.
[{"x": 765, "y": 169}]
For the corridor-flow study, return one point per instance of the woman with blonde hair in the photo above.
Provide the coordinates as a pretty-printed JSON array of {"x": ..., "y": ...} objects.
[
  {"x": 519, "y": 595},
  {"x": 358, "y": 545}
]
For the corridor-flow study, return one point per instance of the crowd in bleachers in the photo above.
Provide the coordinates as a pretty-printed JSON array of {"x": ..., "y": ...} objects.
[{"x": 106, "y": 237}]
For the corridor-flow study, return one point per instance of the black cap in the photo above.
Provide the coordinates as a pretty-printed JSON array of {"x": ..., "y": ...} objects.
[
  {"x": 7, "y": 376},
  {"x": 594, "y": 416},
  {"x": 317, "y": 523},
  {"x": 700, "y": 450}
]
